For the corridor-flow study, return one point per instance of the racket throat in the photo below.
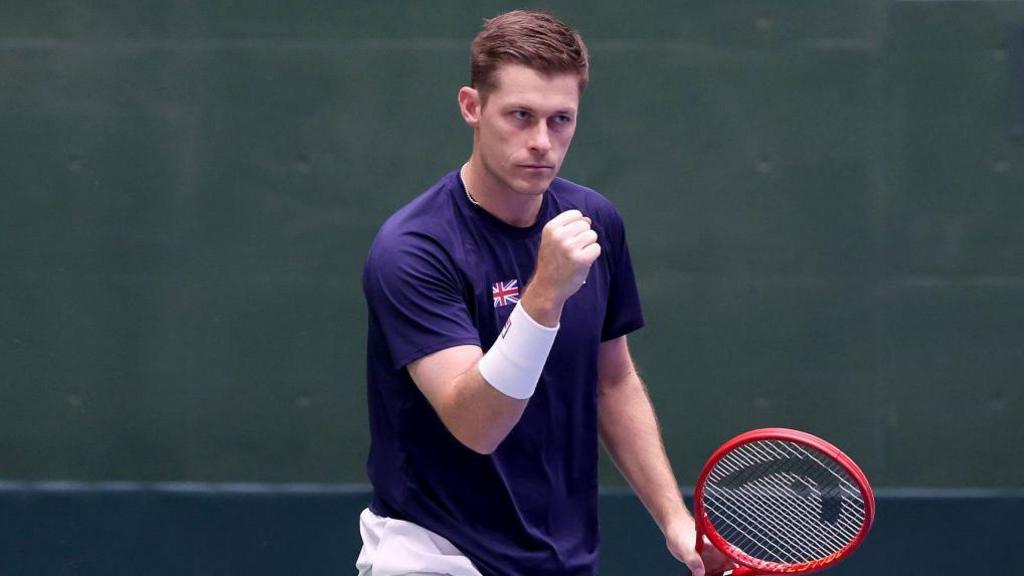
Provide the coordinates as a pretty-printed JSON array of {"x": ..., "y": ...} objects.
[{"x": 738, "y": 571}]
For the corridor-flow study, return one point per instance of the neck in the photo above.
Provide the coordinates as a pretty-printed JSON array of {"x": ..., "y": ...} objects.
[{"x": 500, "y": 201}]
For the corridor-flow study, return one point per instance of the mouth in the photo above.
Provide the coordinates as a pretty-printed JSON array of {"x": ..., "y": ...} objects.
[{"x": 536, "y": 167}]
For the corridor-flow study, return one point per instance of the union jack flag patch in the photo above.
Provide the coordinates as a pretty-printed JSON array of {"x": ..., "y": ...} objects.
[{"x": 505, "y": 293}]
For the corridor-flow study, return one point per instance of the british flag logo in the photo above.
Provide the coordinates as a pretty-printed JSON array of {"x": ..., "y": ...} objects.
[{"x": 505, "y": 293}]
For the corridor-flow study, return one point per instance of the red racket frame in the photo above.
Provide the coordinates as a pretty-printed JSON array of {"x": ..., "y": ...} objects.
[{"x": 752, "y": 566}]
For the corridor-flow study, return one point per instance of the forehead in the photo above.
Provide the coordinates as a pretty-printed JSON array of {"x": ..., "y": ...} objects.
[{"x": 515, "y": 84}]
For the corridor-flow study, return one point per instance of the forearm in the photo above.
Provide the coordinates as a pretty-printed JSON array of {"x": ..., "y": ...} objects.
[
  {"x": 629, "y": 430},
  {"x": 478, "y": 415},
  {"x": 488, "y": 399},
  {"x": 474, "y": 412}
]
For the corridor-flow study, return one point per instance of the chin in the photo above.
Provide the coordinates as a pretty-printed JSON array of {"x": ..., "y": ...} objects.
[{"x": 534, "y": 187}]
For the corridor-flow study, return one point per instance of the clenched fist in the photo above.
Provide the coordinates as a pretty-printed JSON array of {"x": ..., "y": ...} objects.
[{"x": 568, "y": 247}]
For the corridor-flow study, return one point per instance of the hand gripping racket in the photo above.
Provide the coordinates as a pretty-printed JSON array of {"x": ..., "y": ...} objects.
[{"x": 780, "y": 501}]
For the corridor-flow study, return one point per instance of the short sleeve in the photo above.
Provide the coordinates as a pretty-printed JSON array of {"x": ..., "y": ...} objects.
[
  {"x": 624, "y": 314},
  {"x": 415, "y": 298}
]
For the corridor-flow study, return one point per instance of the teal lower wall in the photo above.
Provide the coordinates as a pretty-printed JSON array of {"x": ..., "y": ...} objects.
[{"x": 196, "y": 529}]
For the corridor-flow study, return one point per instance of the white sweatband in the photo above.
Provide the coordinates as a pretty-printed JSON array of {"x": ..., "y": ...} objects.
[{"x": 513, "y": 364}]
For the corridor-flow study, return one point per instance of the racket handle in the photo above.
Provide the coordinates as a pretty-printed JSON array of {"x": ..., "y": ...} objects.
[{"x": 738, "y": 571}]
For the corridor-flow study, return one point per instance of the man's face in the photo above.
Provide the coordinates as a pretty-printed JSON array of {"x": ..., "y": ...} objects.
[{"x": 525, "y": 127}]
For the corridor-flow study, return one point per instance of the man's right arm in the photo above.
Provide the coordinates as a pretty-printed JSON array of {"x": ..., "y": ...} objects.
[
  {"x": 476, "y": 413},
  {"x": 474, "y": 410}
]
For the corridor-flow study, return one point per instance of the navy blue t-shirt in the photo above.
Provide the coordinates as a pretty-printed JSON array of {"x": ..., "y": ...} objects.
[{"x": 443, "y": 272}]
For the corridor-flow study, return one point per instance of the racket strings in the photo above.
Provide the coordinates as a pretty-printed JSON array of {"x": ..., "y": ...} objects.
[
  {"x": 800, "y": 509},
  {"x": 853, "y": 516},
  {"x": 758, "y": 542},
  {"x": 774, "y": 540},
  {"x": 820, "y": 496},
  {"x": 779, "y": 528},
  {"x": 781, "y": 502},
  {"x": 778, "y": 525}
]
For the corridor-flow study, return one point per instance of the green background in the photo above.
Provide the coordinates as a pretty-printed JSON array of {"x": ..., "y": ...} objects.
[{"x": 823, "y": 199}]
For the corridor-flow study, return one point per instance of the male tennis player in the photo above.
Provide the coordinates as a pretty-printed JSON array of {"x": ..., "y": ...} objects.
[{"x": 499, "y": 305}]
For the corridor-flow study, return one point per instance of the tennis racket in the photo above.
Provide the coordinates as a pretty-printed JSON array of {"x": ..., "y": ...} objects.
[{"x": 780, "y": 501}]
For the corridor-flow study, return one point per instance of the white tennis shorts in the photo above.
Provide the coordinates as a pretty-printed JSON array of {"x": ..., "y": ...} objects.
[{"x": 399, "y": 548}]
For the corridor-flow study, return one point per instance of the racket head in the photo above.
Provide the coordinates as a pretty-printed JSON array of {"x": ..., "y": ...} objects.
[{"x": 783, "y": 501}]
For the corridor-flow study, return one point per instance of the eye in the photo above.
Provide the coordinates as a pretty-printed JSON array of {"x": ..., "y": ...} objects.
[
  {"x": 520, "y": 114},
  {"x": 561, "y": 122}
]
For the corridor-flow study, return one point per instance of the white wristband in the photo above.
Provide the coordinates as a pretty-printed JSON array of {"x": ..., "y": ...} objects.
[{"x": 514, "y": 363}]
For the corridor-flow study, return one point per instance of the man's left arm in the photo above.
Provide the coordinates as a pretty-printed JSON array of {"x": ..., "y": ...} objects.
[{"x": 630, "y": 432}]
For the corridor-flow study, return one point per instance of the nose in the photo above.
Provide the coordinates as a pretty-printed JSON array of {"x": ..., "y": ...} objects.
[{"x": 540, "y": 140}]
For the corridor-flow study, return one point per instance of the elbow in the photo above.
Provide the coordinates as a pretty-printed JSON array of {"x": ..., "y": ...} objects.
[
  {"x": 480, "y": 430},
  {"x": 480, "y": 443},
  {"x": 483, "y": 449},
  {"x": 483, "y": 440}
]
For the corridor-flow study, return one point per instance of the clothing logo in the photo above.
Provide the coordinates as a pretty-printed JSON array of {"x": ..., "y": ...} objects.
[{"x": 505, "y": 293}]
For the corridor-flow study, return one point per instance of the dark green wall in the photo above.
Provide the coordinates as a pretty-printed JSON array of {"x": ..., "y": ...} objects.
[{"x": 823, "y": 199}]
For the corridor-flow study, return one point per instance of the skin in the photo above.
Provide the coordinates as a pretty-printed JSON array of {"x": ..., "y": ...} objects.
[
  {"x": 521, "y": 133},
  {"x": 522, "y": 130}
]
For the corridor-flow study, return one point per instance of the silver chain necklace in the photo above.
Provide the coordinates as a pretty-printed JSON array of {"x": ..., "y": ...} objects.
[{"x": 465, "y": 185}]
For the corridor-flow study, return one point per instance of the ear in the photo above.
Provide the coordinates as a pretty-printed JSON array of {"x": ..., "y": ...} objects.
[{"x": 469, "y": 105}]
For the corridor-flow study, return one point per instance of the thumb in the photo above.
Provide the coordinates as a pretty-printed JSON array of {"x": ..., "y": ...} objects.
[{"x": 696, "y": 565}]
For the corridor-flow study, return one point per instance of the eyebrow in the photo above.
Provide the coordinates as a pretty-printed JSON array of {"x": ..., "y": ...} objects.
[{"x": 569, "y": 111}]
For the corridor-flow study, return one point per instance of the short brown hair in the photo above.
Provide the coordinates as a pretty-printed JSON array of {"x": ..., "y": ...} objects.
[{"x": 532, "y": 38}]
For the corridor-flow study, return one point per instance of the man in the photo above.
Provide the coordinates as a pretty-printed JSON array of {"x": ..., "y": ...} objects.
[{"x": 499, "y": 304}]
